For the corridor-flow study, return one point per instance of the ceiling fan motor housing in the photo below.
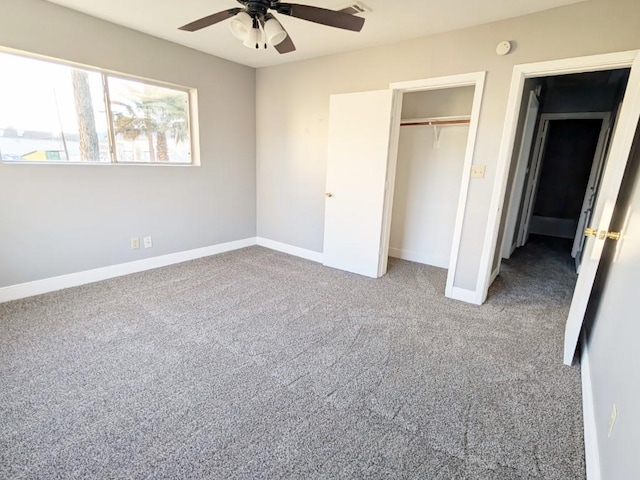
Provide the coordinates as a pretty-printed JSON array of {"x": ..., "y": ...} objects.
[{"x": 259, "y": 8}]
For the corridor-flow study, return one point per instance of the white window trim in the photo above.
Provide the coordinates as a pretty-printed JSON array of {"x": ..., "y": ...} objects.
[{"x": 192, "y": 95}]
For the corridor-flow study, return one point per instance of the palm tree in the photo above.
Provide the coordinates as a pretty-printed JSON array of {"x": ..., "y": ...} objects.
[
  {"x": 161, "y": 116},
  {"x": 171, "y": 119},
  {"x": 133, "y": 123},
  {"x": 89, "y": 145}
]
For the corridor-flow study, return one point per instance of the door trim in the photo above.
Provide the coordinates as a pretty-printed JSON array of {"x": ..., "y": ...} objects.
[
  {"x": 520, "y": 74},
  {"x": 474, "y": 79}
]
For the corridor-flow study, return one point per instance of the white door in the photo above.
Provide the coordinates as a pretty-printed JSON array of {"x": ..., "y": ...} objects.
[
  {"x": 592, "y": 191},
  {"x": 532, "y": 184},
  {"x": 358, "y": 154},
  {"x": 603, "y": 209},
  {"x": 522, "y": 168},
  {"x": 613, "y": 336}
]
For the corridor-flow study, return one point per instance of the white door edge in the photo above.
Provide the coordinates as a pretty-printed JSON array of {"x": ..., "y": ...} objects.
[
  {"x": 616, "y": 163},
  {"x": 588, "y": 202},
  {"x": 534, "y": 180},
  {"x": 394, "y": 141},
  {"x": 524, "y": 153}
]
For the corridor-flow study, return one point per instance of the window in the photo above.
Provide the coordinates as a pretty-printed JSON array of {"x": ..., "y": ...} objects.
[{"x": 55, "y": 113}]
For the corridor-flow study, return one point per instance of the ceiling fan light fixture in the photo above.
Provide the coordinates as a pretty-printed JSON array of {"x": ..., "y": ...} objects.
[
  {"x": 256, "y": 27},
  {"x": 274, "y": 32},
  {"x": 254, "y": 38},
  {"x": 241, "y": 25}
]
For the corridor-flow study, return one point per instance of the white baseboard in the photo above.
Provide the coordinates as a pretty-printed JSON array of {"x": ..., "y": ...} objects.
[
  {"x": 290, "y": 249},
  {"x": 592, "y": 456},
  {"x": 29, "y": 289},
  {"x": 464, "y": 295},
  {"x": 417, "y": 257}
]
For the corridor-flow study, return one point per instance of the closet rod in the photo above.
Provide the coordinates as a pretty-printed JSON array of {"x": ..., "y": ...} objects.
[{"x": 436, "y": 123}]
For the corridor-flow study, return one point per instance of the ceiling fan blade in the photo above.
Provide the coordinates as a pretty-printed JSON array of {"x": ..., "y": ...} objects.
[
  {"x": 285, "y": 46},
  {"x": 210, "y": 20},
  {"x": 320, "y": 15}
]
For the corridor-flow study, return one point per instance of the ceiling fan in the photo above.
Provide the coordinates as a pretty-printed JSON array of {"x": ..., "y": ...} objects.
[{"x": 255, "y": 25}]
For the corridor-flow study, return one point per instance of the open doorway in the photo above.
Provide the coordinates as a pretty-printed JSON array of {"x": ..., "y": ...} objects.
[
  {"x": 563, "y": 139},
  {"x": 598, "y": 232},
  {"x": 434, "y": 131},
  {"x": 446, "y": 111}
]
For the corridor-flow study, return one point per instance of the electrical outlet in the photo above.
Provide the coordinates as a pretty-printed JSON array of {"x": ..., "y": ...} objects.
[
  {"x": 612, "y": 419},
  {"x": 477, "y": 171},
  {"x": 147, "y": 242},
  {"x": 135, "y": 243}
]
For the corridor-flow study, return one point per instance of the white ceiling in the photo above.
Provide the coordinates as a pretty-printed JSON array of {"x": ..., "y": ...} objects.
[{"x": 388, "y": 21}]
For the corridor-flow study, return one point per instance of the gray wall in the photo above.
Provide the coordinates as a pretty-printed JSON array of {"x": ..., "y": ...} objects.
[
  {"x": 293, "y": 106},
  {"x": 446, "y": 102},
  {"x": 59, "y": 219}
]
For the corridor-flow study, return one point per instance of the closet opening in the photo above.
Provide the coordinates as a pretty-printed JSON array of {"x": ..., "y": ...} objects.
[
  {"x": 441, "y": 117},
  {"x": 563, "y": 137},
  {"x": 434, "y": 131}
]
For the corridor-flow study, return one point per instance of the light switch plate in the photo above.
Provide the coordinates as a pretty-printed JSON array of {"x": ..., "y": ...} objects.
[{"x": 477, "y": 171}]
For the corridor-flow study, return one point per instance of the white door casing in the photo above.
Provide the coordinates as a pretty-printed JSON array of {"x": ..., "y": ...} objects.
[
  {"x": 477, "y": 80},
  {"x": 358, "y": 151}
]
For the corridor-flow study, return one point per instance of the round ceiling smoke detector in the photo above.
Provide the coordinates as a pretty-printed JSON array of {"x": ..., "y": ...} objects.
[{"x": 503, "y": 48}]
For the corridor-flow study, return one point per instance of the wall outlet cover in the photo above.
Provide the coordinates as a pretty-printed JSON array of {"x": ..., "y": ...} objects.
[
  {"x": 135, "y": 243},
  {"x": 147, "y": 242}
]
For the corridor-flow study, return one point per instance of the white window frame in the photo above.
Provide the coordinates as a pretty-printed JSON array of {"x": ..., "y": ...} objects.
[{"x": 192, "y": 118}]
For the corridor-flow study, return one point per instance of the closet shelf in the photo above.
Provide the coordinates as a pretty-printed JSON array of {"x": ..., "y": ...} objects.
[{"x": 435, "y": 121}]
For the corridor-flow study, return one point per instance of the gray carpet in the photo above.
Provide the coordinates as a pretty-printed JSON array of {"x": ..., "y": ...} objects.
[{"x": 255, "y": 364}]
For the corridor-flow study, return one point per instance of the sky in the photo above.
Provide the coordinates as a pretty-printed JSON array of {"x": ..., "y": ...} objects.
[{"x": 37, "y": 95}]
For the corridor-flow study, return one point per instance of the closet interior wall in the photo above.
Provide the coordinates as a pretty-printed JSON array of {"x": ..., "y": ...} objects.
[{"x": 431, "y": 152}]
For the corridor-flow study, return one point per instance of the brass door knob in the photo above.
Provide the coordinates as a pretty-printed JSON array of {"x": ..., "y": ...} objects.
[
  {"x": 328, "y": 194},
  {"x": 592, "y": 232}
]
